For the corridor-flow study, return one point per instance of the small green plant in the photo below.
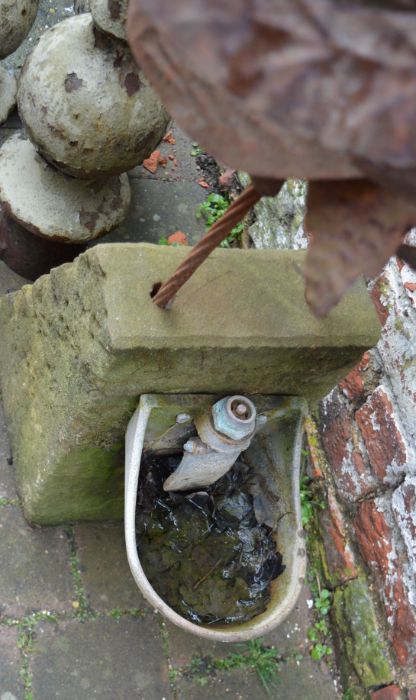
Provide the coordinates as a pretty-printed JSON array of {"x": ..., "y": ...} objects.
[
  {"x": 25, "y": 640},
  {"x": 196, "y": 150},
  {"x": 308, "y": 501},
  {"x": 323, "y": 602},
  {"x": 319, "y": 651},
  {"x": 9, "y": 502},
  {"x": 212, "y": 209},
  {"x": 264, "y": 660},
  {"x": 349, "y": 694},
  {"x": 173, "y": 674},
  {"x": 319, "y": 633}
]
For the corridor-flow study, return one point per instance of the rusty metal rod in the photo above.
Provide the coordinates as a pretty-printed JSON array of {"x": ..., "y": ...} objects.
[{"x": 217, "y": 233}]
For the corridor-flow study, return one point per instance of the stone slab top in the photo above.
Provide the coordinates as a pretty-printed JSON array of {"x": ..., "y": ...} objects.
[{"x": 237, "y": 297}]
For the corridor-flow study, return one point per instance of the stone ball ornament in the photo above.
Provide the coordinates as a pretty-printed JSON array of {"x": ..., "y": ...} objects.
[
  {"x": 85, "y": 103},
  {"x": 8, "y": 89},
  {"x": 48, "y": 217},
  {"x": 16, "y": 19},
  {"x": 110, "y": 17}
]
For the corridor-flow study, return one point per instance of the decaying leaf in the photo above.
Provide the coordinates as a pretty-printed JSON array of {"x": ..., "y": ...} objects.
[
  {"x": 312, "y": 89},
  {"x": 355, "y": 226}
]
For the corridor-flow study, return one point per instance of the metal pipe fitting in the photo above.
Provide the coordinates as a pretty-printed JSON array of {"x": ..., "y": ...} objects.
[{"x": 223, "y": 435}]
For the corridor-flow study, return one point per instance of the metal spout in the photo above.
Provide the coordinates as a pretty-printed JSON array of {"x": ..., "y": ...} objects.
[{"x": 222, "y": 436}]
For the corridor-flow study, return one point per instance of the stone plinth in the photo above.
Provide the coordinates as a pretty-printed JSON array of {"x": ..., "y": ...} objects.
[{"x": 80, "y": 346}]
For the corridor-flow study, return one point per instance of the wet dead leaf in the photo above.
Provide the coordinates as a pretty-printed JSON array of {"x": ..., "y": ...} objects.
[{"x": 355, "y": 226}]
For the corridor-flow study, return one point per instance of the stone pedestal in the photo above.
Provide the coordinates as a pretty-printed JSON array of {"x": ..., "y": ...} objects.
[{"x": 81, "y": 345}]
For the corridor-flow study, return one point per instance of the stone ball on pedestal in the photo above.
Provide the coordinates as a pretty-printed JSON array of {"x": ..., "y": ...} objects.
[
  {"x": 8, "y": 89},
  {"x": 110, "y": 16},
  {"x": 85, "y": 104},
  {"x": 48, "y": 217},
  {"x": 16, "y": 19}
]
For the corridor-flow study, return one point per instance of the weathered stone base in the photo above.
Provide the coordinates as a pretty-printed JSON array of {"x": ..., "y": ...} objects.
[{"x": 81, "y": 345}]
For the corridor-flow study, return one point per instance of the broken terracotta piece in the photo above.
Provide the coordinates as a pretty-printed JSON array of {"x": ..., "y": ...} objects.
[{"x": 178, "y": 238}]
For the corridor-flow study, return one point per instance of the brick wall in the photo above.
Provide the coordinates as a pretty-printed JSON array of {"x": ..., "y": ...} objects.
[{"x": 367, "y": 426}]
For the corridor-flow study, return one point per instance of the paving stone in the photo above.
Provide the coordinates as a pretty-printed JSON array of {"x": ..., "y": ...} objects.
[
  {"x": 11, "y": 687},
  {"x": 35, "y": 571},
  {"x": 7, "y": 481},
  {"x": 101, "y": 658},
  {"x": 159, "y": 208},
  {"x": 303, "y": 679},
  {"x": 105, "y": 572},
  {"x": 289, "y": 637},
  {"x": 186, "y": 165}
]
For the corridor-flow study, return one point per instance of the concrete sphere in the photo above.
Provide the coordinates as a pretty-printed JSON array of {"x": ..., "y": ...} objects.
[
  {"x": 85, "y": 104},
  {"x": 16, "y": 19},
  {"x": 8, "y": 89},
  {"x": 110, "y": 16},
  {"x": 81, "y": 6}
]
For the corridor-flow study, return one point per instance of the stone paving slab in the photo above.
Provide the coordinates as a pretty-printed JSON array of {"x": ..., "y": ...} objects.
[
  {"x": 102, "y": 658},
  {"x": 290, "y": 637},
  {"x": 35, "y": 572},
  {"x": 105, "y": 573},
  {"x": 159, "y": 208},
  {"x": 7, "y": 481},
  {"x": 11, "y": 687},
  {"x": 297, "y": 680},
  {"x": 181, "y": 164}
]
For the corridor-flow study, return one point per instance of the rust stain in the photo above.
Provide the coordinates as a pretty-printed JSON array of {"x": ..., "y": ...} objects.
[
  {"x": 132, "y": 83},
  {"x": 88, "y": 219},
  {"x": 72, "y": 82},
  {"x": 114, "y": 8}
]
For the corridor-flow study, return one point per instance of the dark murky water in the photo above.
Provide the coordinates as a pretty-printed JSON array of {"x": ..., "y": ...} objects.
[{"x": 204, "y": 552}]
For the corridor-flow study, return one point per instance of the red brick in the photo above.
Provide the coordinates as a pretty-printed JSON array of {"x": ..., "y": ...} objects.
[
  {"x": 391, "y": 692},
  {"x": 404, "y": 627},
  {"x": 376, "y": 295},
  {"x": 404, "y": 509},
  {"x": 338, "y": 553},
  {"x": 412, "y": 694},
  {"x": 381, "y": 434},
  {"x": 341, "y": 441},
  {"x": 336, "y": 434},
  {"x": 353, "y": 386},
  {"x": 375, "y": 540}
]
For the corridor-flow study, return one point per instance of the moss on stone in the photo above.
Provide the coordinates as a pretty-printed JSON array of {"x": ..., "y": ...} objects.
[{"x": 360, "y": 640}]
